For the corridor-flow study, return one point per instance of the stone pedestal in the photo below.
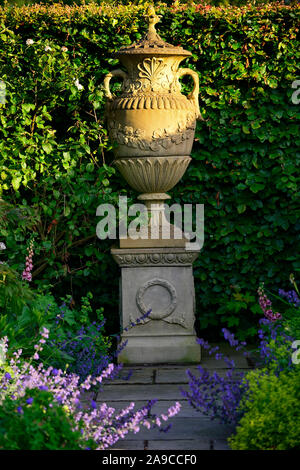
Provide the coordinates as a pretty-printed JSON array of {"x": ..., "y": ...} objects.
[{"x": 160, "y": 280}]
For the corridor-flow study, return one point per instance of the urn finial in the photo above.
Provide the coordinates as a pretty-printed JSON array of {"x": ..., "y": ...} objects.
[{"x": 152, "y": 19}]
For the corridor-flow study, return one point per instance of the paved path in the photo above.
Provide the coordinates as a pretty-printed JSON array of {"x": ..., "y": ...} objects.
[{"x": 191, "y": 430}]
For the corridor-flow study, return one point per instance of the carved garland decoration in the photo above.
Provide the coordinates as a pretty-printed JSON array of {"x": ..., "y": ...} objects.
[{"x": 161, "y": 138}]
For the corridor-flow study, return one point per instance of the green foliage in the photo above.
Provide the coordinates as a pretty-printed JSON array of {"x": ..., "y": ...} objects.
[
  {"x": 13, "y": 292},
  {"x": 56, "y": 156},
  {"x": 63, "y": 322},
  {"x": 272, "y": 413},
  {"x": 41, "y": 425}
]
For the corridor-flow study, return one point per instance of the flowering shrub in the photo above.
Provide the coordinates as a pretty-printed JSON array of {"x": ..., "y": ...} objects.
[
  {"x": 99, "y": 423},
  {"x": 277, "y": 332},
  {"x": 216, "y": 396},
  {"x": 271, "y": 412},
  {"x": 231, "y": 398},
  {"x": 291, "y": 296},
  {"x": 36, "y": 421},
  {"x": 86, "y": 350},
  {"x": 74, "y": 338}
]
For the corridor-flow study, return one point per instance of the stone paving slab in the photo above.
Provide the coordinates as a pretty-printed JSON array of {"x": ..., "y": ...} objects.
[
  {"x": 213, "y": 364},
  {"x": 133, "y": 392},
  {"x": 220, "y": 444},
  {"x": 137, "y": 376},
  {"x": 180, "y": 376},
  {"x": 191, "y": 444},
  {"x": 183, "y": 429},
  {"x": 174, "y": 375},
  {"x": 128, "y": 445},
  {"x": 179, "y": 444}
]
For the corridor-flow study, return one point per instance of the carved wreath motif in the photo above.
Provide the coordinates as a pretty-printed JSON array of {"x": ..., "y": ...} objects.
[{"x": 168, "y": 310}]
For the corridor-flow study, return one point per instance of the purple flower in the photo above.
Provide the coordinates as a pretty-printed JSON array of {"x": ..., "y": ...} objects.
[
  {"x": 266, "y": 304},
  {"x": 291, "y": 297},
  {"x": 99, "y": 423},
  {"x": 8, "y": 376},
  {"x": 26, "y": 275}
]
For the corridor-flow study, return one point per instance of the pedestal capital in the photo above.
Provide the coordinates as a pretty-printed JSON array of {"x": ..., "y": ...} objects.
[{"x": 137, "y": 257}]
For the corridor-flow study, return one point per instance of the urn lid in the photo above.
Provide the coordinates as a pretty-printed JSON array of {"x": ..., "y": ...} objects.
[{"x": 152, "y": 43}]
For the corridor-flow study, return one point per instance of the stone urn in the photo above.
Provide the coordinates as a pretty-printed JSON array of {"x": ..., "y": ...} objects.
[{"x": 151, "y": 122}]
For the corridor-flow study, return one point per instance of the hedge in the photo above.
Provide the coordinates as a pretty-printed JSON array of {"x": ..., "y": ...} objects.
[{"x": 56, "y": 157}]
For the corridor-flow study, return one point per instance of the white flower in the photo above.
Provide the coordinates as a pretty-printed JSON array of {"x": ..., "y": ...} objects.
[
  {"x": 48, "y": 48},
  {"x": 78, "y": 85},
  {"x": 2, "y": 246},
  {"x": 29, "y": 42},
  {"x": 64, "y": 48}
]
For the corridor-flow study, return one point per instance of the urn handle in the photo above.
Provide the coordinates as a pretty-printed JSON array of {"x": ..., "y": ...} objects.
[
  {"x": 107, "y": 79},
  {"x": 193, "y": 96}
]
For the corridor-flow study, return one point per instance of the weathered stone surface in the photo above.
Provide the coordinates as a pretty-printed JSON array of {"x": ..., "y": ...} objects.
[
  {"x": 185, "y": 429},
  {"x": 174, "y": 375},
  {"x": 133, "y": 392},
  {"x": 166, "y": 334},
  {"x": 168, "y": 291},
  {"x": 220, "y": 444},
  {"x": 128, "y": 445},
  {"x": 153, "y": 257},
  {"x": 237, "y": 356},
  {"x": 179, "y": 444},
  {"x": 155, "y": 349},
  {"x": 137, "y": 376},
  {"x": 172, "y": 444},
  {"x": 213, "y": 364}
]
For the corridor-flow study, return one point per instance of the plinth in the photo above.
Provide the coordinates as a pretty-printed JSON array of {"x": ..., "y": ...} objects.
[{"x": 159, "y": 280}]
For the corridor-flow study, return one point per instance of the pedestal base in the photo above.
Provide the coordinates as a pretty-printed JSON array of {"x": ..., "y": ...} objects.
[
  {"x": 160, "y": 350},
  {"x": 157, "y": 303}
]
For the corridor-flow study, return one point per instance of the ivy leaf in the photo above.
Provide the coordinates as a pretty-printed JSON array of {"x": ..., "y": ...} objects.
[
  {"x": 16, "y": 181},
  {"x": 47, "y": 147},
  {"x": 241, "y": 208},
  {"x": 255, "y": 187},
  {"x": 245, "y": 129}
]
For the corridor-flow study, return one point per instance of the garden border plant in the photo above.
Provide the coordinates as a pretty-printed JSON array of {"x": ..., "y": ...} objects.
[
  {"x": 262, "y": 404},
  {"x": 99, "y": 425}
]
